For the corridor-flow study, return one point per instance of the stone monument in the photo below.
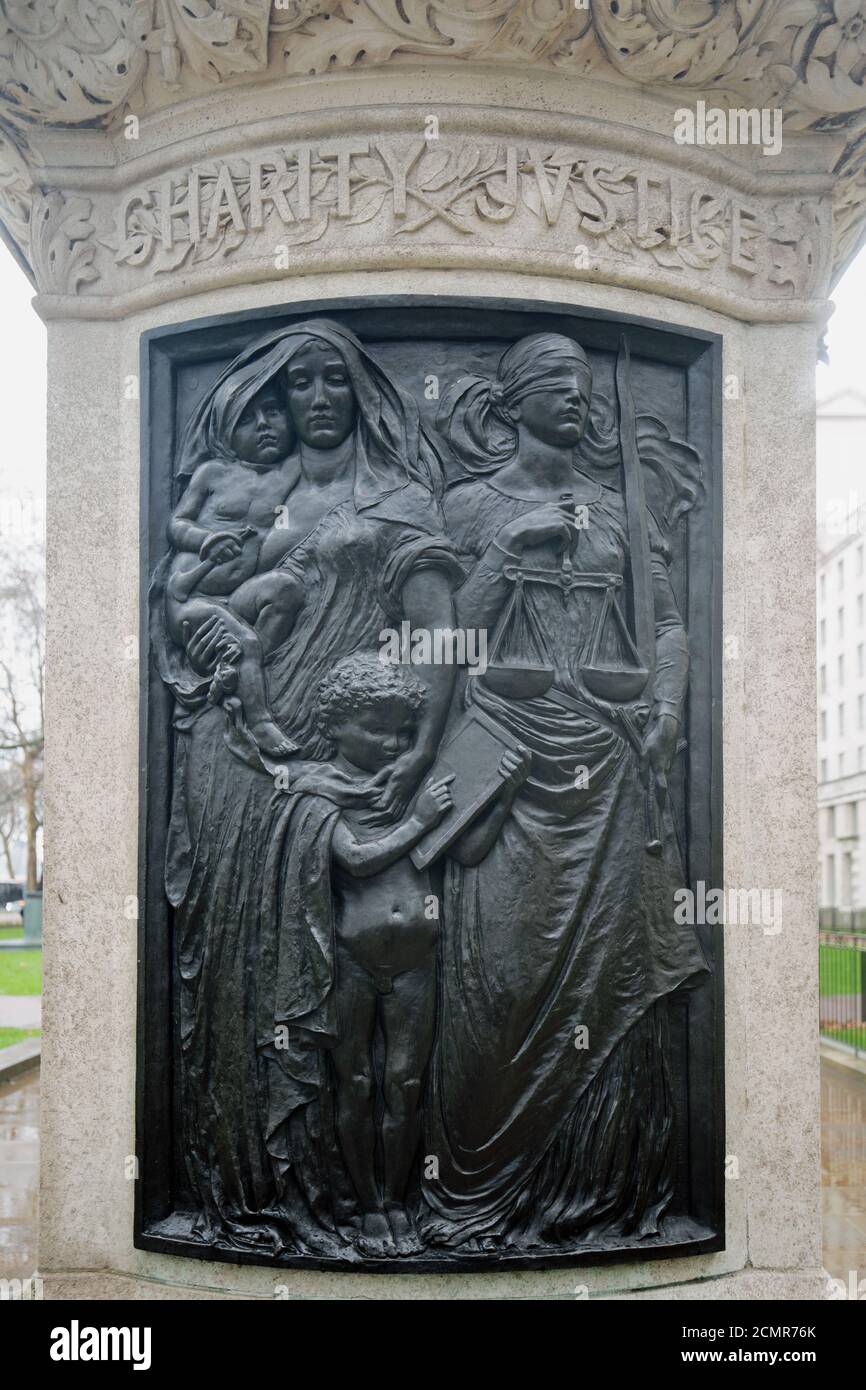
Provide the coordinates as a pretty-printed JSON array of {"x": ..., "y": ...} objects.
[{"x": 430, "y": 815}]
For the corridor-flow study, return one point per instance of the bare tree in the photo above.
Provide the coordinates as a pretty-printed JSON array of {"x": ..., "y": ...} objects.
[
  {"x": 22, "y": 687},
  {"x": 11, "y": 803}
]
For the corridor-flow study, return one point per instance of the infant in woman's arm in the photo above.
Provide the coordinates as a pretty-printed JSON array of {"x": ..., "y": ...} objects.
[{"x": 216, "y": 532}]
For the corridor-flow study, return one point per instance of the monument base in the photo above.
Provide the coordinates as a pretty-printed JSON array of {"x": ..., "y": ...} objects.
[{"x": 749, "y": 1285}]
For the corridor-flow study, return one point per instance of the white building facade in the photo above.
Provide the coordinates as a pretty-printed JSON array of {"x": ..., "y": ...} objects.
[{"x": 841, "y": 616}]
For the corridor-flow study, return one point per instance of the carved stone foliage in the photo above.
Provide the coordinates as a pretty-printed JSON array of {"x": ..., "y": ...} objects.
[
  {"x": 77, "y": 61},
  {"x": 61, "y": 247},
  {"x": 72, "y": 62},
  {"x": 16, "y": 191},
  {"x": 323, "y": 35},
  {"x": 212, "y": 40},
  {"x": 808, "y": 56},
  {"x": 84, "y": 62},
  {"x": 68, "y": 61}
]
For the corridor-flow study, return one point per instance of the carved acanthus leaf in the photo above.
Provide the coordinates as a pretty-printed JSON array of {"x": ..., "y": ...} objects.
[
  {"x": 216, "y": 38},
  {"x": 68, "y": 61},
  {"x": 71, "y": 62},
  {"x": 340, "y": 33},
  {"x": 77, "y": 62},
  {"x": 16, "y": 193},
  {"x": 807, "y": 56},
  {"x": 62, "y": 248}
]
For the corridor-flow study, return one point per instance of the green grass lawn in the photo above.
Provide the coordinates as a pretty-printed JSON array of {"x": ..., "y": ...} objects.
[
  {"x": 8, "y": 933},
  {"x": 20, "y": 972},
  {"x": 8, "y": 1036},
  {"x": 839, "y": 969},
  {"x": 854, "y": 1034}
]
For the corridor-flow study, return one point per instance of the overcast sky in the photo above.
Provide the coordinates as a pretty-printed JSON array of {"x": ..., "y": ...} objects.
[
  {"x": 22, "y": 405},
  {"x": 22, "y": 384},
  {"x": 846, "y": 336}
]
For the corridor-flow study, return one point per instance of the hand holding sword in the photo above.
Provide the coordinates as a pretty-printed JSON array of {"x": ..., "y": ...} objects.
[{"x": 659, "y": 747}]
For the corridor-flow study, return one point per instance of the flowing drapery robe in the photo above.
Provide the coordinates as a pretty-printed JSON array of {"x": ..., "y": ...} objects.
[
  {"x": 259, "y": 1176},
  {"x": 544, "y": 1132}
]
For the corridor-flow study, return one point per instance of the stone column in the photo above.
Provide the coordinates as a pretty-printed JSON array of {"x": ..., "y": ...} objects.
[{"x": 187, "y": 167}]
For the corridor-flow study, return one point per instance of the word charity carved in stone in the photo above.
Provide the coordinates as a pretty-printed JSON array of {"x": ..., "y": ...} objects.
[
  {"x": 83, "y": 63},
  {"x": 448, "y": 191},
  {"x": 433, "y": 1005}
]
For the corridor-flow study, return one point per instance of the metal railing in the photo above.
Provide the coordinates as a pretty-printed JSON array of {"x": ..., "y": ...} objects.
[
  {"x": 846, "y": 919},
  {"x": 842, "y": 988}
]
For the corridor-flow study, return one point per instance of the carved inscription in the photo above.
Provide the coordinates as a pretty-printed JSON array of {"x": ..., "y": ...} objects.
[{"x": 585, "y": 205}]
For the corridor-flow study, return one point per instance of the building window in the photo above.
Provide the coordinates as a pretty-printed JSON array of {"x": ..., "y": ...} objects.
[
  {"x": 840, "y": 621},
  {"x": 840, "y": 574},
  {"x": 823, "y": 770},
  {"x": 822, "y": 587},
  {"x": 830, "y": 881},
  {"x": 861, "y": 758},
  {"x": 823, "y": 725},
  {"x": 822, "y": 683},
  {"x": 841, "y": 715},
  {"x": 859, "y": 610},
  {"x": 861, "y": 659},
  {"x": 860, "y": 559},
  {"x": 823, "y": 632},
  {"x": 840, "y": 669},
  {"x": 861, "y": 710},
  {"x": 842, "y": 764},
  {"x": 847, "y": 876},
  {"x": 831, "y": 822},
  {"x": 851, "y": 818}
]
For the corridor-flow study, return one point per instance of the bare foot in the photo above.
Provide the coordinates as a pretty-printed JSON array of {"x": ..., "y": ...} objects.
[
  {"x": 271, "y": 740},
  {"x": 374, "y": 1237},
  {"x": 406, "y": 1237},
  {"x": 489, "y": 1244}
]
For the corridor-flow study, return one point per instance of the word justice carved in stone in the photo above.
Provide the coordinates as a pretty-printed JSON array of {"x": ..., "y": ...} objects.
[{"x": 588, "y": 206}]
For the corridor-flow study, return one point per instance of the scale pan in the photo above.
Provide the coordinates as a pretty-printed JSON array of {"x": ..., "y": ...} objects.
[
  {"x": 614, "y": 682},
  {"x": 518, "y": 682}
]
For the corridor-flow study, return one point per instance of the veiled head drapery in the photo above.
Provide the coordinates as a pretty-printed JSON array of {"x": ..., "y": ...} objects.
[{"x": 392, "y": 448}]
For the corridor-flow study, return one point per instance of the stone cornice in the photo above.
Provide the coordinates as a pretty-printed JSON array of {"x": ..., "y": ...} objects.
[{"x": 89, "y": 64}]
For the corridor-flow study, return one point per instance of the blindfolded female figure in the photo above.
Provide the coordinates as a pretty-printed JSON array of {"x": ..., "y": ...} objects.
[{"x": 552, "y": 1110}]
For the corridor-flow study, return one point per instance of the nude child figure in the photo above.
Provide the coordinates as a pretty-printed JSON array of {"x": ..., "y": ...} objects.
[{"x": 386, "y": 937}]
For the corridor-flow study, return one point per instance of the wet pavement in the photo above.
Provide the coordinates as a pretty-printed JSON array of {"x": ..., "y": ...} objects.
[
  {"x": 843, "y": 1171},
  {"x": 20, "y": 1010},
  {"x": 19, "y": 1174}
]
